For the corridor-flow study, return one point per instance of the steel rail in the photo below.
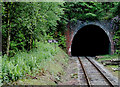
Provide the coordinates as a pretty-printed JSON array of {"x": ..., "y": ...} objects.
[
  {"x": 107, "y": 80},
  {"x": 85, "y": 73}
]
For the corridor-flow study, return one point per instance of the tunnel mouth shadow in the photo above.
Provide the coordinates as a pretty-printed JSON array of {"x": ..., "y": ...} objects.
[{"x": 91, "y": 40}]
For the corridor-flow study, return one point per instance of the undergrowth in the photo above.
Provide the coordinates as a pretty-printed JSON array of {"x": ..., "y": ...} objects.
[
  {"x": 0, "y": 70},
  {"x": 109, "y": 57},
  {"x": 110, "y": 67},
  {"x": 23, "y": 63}
]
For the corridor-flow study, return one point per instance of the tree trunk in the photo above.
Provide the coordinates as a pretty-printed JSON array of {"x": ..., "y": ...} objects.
[
  {"x": 8, "y": 43},
  {"x": 30, "y": 41},
  {"x": 9, "y": 29}
]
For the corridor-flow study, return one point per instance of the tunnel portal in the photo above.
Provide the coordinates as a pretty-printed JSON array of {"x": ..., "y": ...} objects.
[{"x": 91, "y": 40}]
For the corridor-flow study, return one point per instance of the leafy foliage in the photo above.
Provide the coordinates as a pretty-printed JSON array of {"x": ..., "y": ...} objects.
[
  {"x": 27, "y": 62},
  {"x": 28, "y": 22},
  {"x": 116, "y": 27},
  {"x": 59, "y": 37},
  {"x": 87, "y": 10},
  {"x": 92, "y": 11}
]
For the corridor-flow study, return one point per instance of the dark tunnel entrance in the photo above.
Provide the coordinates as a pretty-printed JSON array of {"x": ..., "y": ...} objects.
[{"x": 91, "y": 40}]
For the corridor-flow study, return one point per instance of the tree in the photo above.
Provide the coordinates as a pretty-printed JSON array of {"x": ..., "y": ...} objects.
[
  {"x": 87, "y": 10},
  {"x": 7, "y": 22},
  {"x": 27, "y": 22}
]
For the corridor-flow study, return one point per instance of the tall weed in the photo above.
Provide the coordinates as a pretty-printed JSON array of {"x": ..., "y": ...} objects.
[{"x": 23, "y": 63}]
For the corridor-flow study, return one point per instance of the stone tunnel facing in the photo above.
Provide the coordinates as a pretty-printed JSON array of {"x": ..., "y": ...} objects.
[{"x": 90, "y": 40}]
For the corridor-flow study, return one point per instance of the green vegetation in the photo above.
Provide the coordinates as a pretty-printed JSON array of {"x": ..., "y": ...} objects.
[
  {"x": 0, "y": 70},
  {"x": 108, "y": 57},
  {"x": 26, "y": 23},
  {"x": 29, "y": 22},
  {"x": 109, "y": 67},
  {"x": 32, "y": 62},
  {"x": 27, "y": 26},
  {"x": 88, "y": 10},
  {"x": 54, "y": 70},
  {"x": 94, "y": 11},
  {"x": 116, "y": 27}
]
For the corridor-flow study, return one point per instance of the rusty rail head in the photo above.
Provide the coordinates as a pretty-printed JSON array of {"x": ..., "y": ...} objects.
[
  {"x": 85, "y": 73},
  {"x": 107, "y": 80}
]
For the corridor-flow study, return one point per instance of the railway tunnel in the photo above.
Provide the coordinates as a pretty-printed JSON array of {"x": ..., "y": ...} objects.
[{"x": 91, "y": 40}]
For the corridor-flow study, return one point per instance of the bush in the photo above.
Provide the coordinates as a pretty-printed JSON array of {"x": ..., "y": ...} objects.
[
  {"x": 116, "y": 38},
  {"x": 23, "y": 63}
]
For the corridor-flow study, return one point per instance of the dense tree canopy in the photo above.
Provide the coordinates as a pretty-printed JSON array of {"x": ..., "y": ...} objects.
[
  {"x": 24, "y": 23},
  {"x": 88, "y": 10},
  {"x": 26, "y": 27}
]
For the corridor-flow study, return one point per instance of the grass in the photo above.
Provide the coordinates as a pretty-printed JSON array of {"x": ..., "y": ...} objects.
[
  {"x": 54, "y": 69},
  {"x": 108, "y": 57},
  {"x": 42, "y": 81},
  {"x": 115, "y": 73},
  {"x": 109, "y": 67},
  {"x": 31, "y": 63}
]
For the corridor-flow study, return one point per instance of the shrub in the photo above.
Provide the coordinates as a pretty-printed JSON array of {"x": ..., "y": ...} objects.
[{"x": 24, "y": 63}]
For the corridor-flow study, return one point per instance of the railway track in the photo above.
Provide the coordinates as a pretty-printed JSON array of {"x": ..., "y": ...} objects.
[{"x": 92, "y": 74}]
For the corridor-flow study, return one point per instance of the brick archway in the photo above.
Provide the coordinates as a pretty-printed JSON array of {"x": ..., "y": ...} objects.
[
  {"x": 73, "y": 29},
  {"x": 90, "y": 40}
]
